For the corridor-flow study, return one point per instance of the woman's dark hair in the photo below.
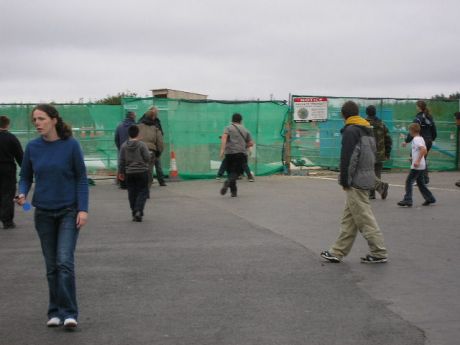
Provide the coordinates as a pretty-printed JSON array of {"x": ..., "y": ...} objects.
[
  {"x": 350, "y": 108},
  {"x": 63, "y": 129},
  {"x": 237, "y": 118},
  {"x": 422, "y": 105},
  {"x": 133, "y": 131}
]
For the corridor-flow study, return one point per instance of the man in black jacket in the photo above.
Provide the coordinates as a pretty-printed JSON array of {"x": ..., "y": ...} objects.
[
  {"x": 357, "y": 177},
  {"x": 10, "y": 154}
]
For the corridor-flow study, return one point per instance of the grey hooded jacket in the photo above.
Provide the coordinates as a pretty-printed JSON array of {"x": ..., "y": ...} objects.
[
  {"x": 357, "y": 157},
  {"x": 134, "y": 157}
]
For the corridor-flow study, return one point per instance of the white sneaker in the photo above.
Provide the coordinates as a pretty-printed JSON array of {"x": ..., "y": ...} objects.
[
  {"x": 54, "y": 322},
  {"x": 70, "y": 323}
]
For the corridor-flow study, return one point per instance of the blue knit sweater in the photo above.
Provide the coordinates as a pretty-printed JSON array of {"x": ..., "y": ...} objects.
[{"x": 60, "y": 174}]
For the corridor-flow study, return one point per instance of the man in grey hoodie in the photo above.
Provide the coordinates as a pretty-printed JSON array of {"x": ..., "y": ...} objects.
[{"x": 134, "y": 166}]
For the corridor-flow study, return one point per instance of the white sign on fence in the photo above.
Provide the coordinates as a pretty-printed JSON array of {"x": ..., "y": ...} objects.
[{"x": 308, "y": 109}]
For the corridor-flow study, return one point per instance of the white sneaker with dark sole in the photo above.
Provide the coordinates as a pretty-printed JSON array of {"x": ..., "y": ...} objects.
[
  {"x": 70, "y": 323},
  {"x": 54, "y": 322}
]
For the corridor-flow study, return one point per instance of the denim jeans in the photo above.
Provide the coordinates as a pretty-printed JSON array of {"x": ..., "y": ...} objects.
[
  {"x": 138, "y": 191},
  {"x": 419, "y": 176},
  {"x": 58, "y": 237}
]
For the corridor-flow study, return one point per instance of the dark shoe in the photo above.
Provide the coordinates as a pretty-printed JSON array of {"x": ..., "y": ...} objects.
[
  {"x": 404, "y": 203},
  {"x": 162, "y": 184},
  {"x": 224, "y": 188},
  {"x": 372, "y": 196},
  {"x": 369, "y": 259},
  {"x": 384, "y": 193},
  {"x": 9, "y": 225},
  {"x": 329, "y": 257},
  {"x": 234, "y": 195},
  {"x": 428, "y": 203},
  {"x": 138, "y": 216},
  {"x": 457, "y": 183}
]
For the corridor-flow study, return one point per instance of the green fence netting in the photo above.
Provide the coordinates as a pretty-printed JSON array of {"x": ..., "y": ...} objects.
[
  {"x": 192, "y": 129},
  {"x": 318, "y": 143}
]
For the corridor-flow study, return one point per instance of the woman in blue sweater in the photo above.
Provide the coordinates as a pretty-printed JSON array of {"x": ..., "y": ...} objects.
[{"x": 55, "y": 161}]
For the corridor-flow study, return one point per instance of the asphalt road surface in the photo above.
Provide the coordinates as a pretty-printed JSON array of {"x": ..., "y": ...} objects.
[{"x": 206, "y": 269}]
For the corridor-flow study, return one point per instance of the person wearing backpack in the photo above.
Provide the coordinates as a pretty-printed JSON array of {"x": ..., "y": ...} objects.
[
  {"x": 234, "y": 145},
  {"x": 428, "y": 131},
  {"x": 384, "y": 143}
]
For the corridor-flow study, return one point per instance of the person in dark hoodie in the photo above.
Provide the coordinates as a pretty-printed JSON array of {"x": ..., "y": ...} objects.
[
  {"x": 357, "y": 177},
  {"x": 428, "y": 131},
  {"x": 152, "y": 135},
  {"x": 10, "y": 154},
  {"x": 121, "y": 135},
  {"x": 383, "y": 143},
  {"x": 133, "y": 166}
]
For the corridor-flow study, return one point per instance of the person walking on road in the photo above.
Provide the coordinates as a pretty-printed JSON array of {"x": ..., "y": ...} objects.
[
  {"x": 383, "y": 143},
  {"x": 134, "y": 166},
  {"x": 234, "y": 145},
  {"x": 10, "y": 154},
  {"x": 418, "y": 166},
  {"x": 121, "y": 135},
  {"x": 357, "y": 177},
  {"x": 428, "y": 131},
  {"x": 152, "y": 136},
  {"x": 54, "y": 161}
]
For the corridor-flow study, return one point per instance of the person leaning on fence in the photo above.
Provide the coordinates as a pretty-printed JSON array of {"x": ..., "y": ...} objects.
[
  {"x": 418, "y": 167},
  {"x": 427, "y": 131},
  {"x": 383, "y": 144},
  {"x": 357, "y": 177},
  {"x": 151, "y": 135},
  {"x": 54, "y": 161},
  {"x": 234, "y": 145},
  {"x": 121, "y": 135},
  {"x": 134, "y": 166},
  {"x": 10, "y": 154}
]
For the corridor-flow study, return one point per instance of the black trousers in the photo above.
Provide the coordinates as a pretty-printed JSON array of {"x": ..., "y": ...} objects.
[
  {"x": 7, "y": 192},
  {"x": 138, "y": 191},
  {"x": 223, "y": 167},
  {"x": 235, "y": 166}
]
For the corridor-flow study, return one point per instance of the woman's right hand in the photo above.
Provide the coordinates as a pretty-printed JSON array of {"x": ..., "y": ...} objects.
[{"x": 20, "y": 199}]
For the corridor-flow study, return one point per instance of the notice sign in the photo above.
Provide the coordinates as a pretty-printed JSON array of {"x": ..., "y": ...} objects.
[{"x": 308, "y": 109}]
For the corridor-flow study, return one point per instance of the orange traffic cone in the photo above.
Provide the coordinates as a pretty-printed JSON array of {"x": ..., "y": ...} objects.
[{"x": 173, "y": 173}]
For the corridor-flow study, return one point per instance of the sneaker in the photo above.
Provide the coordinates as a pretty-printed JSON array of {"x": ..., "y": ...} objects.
[
  {"x": 224, "y": 188},
  {"x": 234, "y": 195},
  {"x": 70, "y": 323},
  {"x": 54, "y": 322},
  {"x": 428, "y": 203},
  {"x": 369, "y": 259},
  {"x": 163, "y": 184},
  {"x": 457, "y": 183},
  {"x": 404, "y": 203},
  {"x": 329, "y": 257},
  {"x": 384, "y": 193},
  {"x": 251, "y": 178}
]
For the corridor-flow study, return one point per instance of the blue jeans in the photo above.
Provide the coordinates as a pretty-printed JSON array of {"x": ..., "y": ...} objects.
[
  {"x": 419, "y": 176},
  {"x": 58, "y": 237}
]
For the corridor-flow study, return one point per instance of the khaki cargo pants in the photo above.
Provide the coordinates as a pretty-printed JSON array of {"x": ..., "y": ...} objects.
[{"x": 358, "y": 216}]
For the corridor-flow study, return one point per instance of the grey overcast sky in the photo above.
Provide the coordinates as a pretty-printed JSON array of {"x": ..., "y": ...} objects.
[{"x": 64, "y": 50}]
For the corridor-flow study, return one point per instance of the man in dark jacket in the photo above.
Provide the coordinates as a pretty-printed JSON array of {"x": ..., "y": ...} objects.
[
  {"x": 121, "y": 135},
  {"x": 384, "y": 143},
  {"x": 357, "y": 177},
  {"x": 10, "y": 154}
]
